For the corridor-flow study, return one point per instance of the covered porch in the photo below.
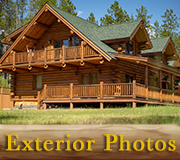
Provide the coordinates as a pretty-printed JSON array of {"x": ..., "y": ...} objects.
[{"x": 107, "y": 92}]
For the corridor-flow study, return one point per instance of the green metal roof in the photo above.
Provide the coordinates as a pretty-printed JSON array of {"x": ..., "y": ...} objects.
[
  {"x": 158, "y": 45},
  {"x": 97, "y": 33}
]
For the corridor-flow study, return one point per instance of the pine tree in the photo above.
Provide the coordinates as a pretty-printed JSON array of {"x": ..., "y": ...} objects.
[
  {"x": 170, "y": 23},
  {"x": 68, "y": 6},
  {"x": 92, "y": 18},
  {"x": 170, "y": 27},
  {"x": 142, "y": 15},
  {"x": 115, "y": 15}
]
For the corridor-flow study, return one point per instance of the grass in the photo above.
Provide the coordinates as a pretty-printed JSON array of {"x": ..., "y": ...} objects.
[{"x": 140, "y": 115}]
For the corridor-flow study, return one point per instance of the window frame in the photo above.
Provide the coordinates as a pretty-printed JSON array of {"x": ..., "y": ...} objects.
[
  {"x": 90, "y": 80},
  {"x": 34, "y": 82}
]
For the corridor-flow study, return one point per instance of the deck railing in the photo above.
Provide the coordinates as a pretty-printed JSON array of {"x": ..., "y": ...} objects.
[
  {"x": 49, "y": 55},
  {"x": 111, "y": 90}
]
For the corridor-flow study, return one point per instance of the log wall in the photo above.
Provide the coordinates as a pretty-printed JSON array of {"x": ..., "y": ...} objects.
[{"x": 24, "y": 83}]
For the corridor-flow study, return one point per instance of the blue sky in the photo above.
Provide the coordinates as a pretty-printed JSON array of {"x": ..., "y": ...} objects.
[{"x": 99, "y": 7}]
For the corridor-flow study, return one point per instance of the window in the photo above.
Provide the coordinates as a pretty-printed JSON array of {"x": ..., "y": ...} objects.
[
  {"x": 57, "y": 44},
  {"x": 89, "y": 78},
  {"x": 66, "y": 43},
  {"x": 129, "y": 79},
  {"x": 75, "y": 41},
  {"x": 38, "y": 82}
]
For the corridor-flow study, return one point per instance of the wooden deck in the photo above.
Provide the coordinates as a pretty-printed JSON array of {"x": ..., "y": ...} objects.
[
  {"x": 48, "y": 56},
  {"x": 103, "y": 92}
]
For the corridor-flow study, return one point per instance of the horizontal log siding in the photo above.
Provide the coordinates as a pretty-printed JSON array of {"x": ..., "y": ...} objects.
[
  {"x": 23, "y": 83},
  {"x": 120, "y": 70}
]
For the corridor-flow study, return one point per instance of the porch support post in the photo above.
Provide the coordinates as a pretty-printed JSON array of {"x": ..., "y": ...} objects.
[
  {"x": 39, "y": 99},
  {"x": 146, "y": 104},
  {"x": 71, "y": 90},
  {"x": 44, "y": 106},
  {"x": 101, "y": 105},
  {"x": 101, "y": 90},
  {"x": 71, "y": 105},
  {"x": 45, "y": 91},
  {"x": 146, "y": 81},
  {"x": 160, "y": 85},
  {"x": 134, "y": 88},
  {"x": 134, "y": 104}
]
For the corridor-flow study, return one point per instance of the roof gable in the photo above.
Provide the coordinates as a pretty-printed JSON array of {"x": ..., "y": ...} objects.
[{"x": 158, "y": 45}]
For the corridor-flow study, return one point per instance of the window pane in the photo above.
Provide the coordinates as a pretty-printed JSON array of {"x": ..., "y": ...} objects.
[
  {"x": 38, "y": 81},
  {"x": 57, "y": 44},
  {"x": 66, "y": 43},
  {"x": 75, "y": 41},
  {"x": 85, "y": 79},
  {"x": 94, "y": 78}
]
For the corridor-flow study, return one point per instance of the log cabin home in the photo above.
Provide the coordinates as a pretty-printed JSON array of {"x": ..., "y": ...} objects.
[{"x": 61, "y": 58}]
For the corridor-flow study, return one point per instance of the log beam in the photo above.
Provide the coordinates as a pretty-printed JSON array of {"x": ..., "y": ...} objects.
[
  {"x": 38, "y": 69},
  {"x": 50, "y": 67},
  {"x": 30, "y": 39},
  {"x": 42, "y": 25},
  {"x": 6, "y": 71}
]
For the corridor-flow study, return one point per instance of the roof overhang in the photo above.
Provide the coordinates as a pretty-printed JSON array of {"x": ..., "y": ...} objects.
[{"x": 12, "y": 37}]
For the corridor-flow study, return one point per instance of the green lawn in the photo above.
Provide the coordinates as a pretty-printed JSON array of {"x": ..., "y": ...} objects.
[{"x": 140, "y": 115}]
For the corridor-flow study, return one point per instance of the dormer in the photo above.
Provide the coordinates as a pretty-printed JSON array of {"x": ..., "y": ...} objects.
[
  {"x": 163, "y": 50},
  {"x": 126, "y": 38}
]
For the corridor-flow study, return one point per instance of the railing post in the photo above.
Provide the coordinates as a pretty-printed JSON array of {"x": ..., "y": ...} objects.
[
  {"x": 39, "y": 100},
  {"x": 71, "y": 90},
  {"x": 30, "y": 57},
  {"x": 147, "y": 89},
  {"x": 134, "y": 88},
  {"x": 45, "y": 91},
  {"x": 101, "y": 89},
  {"x": 82, "y": 50},
  {"x": 173, "y": 96},
  {"x": 14, "y": 63},
  {"x": 45, "y": 56},
  {"x": 160, "y": 94},
  {"x": 63, "y": 58}
]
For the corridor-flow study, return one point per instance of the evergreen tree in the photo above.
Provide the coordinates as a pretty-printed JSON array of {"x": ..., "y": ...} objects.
[
  {"x": 115, "y": 15},
  {"x": 91, "y": 18},
  {"x": 68, "y": 6},
  {"x": 170, "y": 23},
  {"x": 35, "y": 6},
  {"x": 170, "y": 27},
  {"x": 142, "y": 14}
]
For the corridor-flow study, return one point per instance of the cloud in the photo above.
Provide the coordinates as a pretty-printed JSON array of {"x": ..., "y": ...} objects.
[{"x": 79, "y": 13}]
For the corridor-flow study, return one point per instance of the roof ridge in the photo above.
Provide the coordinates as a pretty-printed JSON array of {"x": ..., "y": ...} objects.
[
  {"x": 96, "y": 25},
  {"x": 120, "y": 23}
]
